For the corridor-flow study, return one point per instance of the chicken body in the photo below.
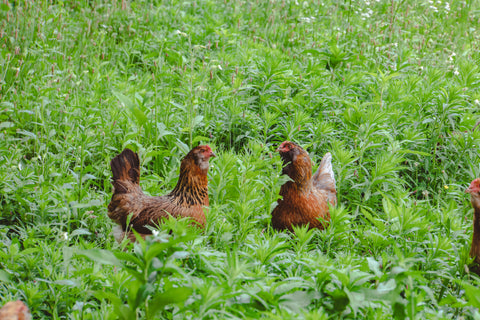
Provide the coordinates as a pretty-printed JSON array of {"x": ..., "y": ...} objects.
[
  {"x": 305, "y": 199},
  {"x": 188, "y": 199},
  {"x": 474, "y": 191}
]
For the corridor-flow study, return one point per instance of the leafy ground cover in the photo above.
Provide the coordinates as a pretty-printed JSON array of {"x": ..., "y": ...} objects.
[{"x": 391, "y": 88}]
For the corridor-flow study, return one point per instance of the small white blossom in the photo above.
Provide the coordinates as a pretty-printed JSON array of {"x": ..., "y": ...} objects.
[
  {"x": 307, "y": 19},
  {"x": 456, "y": 72},
  {"x": 183, "y": 34},
  {"x": 65, "y": 235},
  {"x": 477, "y": 102},
  {"x": 366, "y": 14},
  {"x": 155, "y": 233}
]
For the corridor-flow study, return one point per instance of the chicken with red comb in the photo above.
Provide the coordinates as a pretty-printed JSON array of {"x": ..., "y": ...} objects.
[
  {"x": 188, "y": 199},
  {"x": 305, "y": 199}
]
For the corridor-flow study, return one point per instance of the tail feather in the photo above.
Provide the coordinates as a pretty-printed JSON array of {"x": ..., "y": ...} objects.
[
  {"x": 125, "y": 170},
  {"x": 324, "y": 178}
]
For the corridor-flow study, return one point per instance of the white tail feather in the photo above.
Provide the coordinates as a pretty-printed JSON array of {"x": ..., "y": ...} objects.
[
  {"x": 326, "y": 167},
  {"x": 324, "y": 178}
]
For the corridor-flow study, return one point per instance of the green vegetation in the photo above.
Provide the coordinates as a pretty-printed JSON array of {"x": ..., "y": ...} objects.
[{"x": 391, "y": 88}]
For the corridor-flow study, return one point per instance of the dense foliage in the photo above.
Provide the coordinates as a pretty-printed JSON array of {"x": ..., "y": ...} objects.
[{"x": 391, "y": 88}]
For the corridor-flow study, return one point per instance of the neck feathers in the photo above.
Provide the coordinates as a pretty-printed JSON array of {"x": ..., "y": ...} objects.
[
  {"x": 300, "y": 170},
  {"x": 192, "y": 185}
]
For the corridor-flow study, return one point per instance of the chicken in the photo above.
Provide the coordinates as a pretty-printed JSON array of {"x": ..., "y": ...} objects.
[
  {"x": 188, "y": 199},
  {"x": 15, "y": 310},
  {"x": 474, "y": 191},
  {"x": 306, "y": 198}
]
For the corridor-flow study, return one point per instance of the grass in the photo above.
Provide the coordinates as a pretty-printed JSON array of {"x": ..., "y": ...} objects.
[{"x": 391, "y": 88}]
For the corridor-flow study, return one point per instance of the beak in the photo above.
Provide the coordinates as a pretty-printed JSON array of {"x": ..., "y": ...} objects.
[
  {"x": 212, "y": 154},
  {"x": 468, "y": 190},
  {"x": 278, "y": 149}
]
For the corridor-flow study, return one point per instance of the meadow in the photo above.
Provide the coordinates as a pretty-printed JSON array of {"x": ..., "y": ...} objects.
[{"x": 390, "y": 88}]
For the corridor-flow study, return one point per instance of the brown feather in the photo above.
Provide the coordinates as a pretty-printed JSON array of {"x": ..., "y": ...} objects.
[
  {"x": 474, "y": 191},
  {"x": 188, "y": 199},
  {"x": 304, "y": 200}
]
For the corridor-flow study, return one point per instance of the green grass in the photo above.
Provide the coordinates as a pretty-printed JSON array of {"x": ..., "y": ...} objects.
[{"x": 390, "y": 88}]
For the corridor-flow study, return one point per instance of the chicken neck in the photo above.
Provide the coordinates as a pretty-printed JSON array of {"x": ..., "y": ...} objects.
[{"x": 192, "y": 185}]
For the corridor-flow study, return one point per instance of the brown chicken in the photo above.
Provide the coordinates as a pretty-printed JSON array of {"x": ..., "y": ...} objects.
[
  {"x": 15, "y": 310},
  {"x": 188, "y": 199},
  {"x": 474, "y": 191},
  {"x": 306, "y": 198}
]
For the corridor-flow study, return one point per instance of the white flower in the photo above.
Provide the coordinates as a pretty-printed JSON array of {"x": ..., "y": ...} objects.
[
  {"x": 183, "y": 34},
  {"x": 477, "y": 102},
  {"x": 155, "y": 233},
  {"x": 65, "y": 235},
  {"x": 456, "y": 72},
  {"x": 367, "y": 14}
]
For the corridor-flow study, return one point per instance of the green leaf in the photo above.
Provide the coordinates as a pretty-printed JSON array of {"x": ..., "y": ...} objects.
[
  {"x": 126, "y": 256},
  {"x": 101, "y": 256},
  {"x": 340, "y": 300},
  {"x": 6, "y": 124},
  {"x": 156, "y": 248},
  {"x": 172, "y": 295},
  {"x": 356, "y": 300},
  {"x": 4, "y": 7},
  {"x": 4, "y": 276},
  {"x": 134, "y": 109},
  {"x": 79, "y": 232},
  {"x": 399, "y": 311},
  {"x": 298, "y": 300},
  {"x": 102, "y": 295},
  {"x": 66, "y": 282},
  {"x": 374, "y": 266},
  {"x": 385, "y": 287},
  {"x": 473, "y": 294},
  {"x": 182, "y": 146},
  {"x": 162, "y": 130}
]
